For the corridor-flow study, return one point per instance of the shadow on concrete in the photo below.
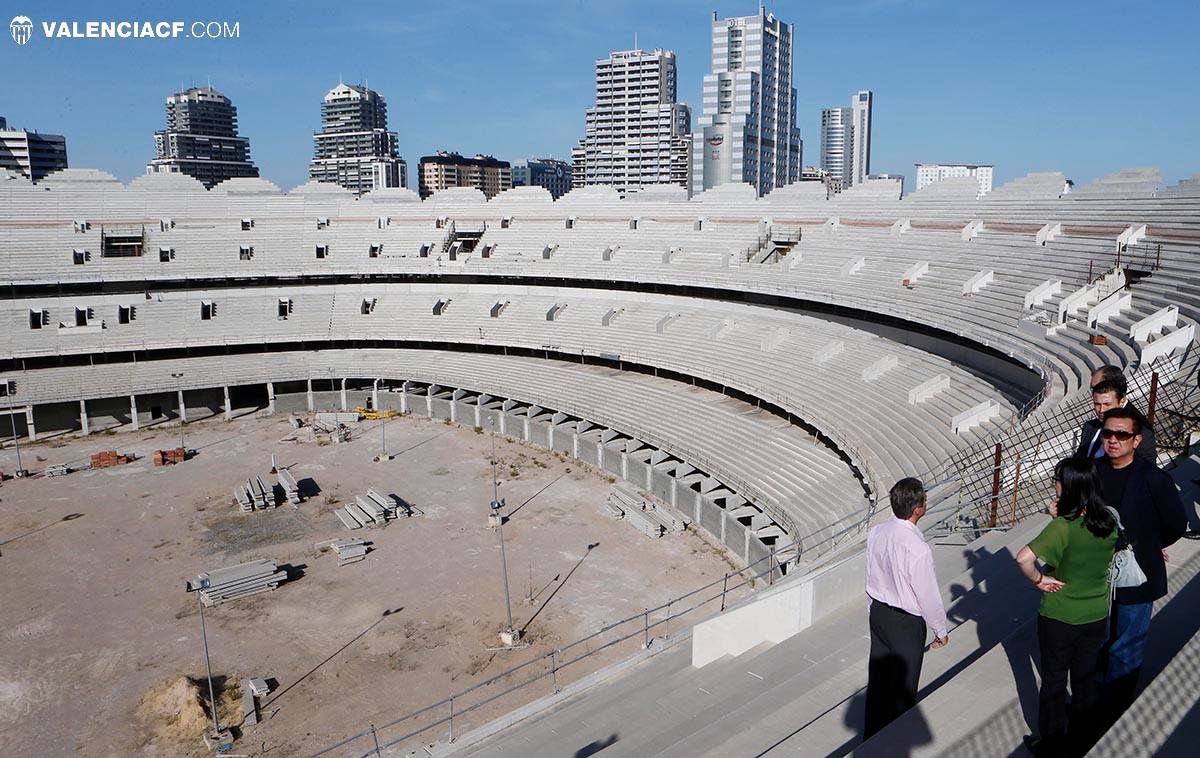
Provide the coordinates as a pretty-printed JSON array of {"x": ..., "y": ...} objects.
[
  {"x": 560, "y": 585},
  {"x": 513, "y": 512},
  {"x": 596, "y": 746},
  {"x": 1002, "y": 614},
  {"x": 68, "y": 517},
  {"x": 334, "y": 654}
]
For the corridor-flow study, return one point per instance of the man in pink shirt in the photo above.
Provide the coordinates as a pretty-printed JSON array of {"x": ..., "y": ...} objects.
[{"x": 905, "y": 598}]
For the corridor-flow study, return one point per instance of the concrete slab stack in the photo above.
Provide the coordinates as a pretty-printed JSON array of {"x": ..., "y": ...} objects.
[
  {"x": 372, "y": 509},
  {"x": 254, "y": 495},
  {"x": 290, "y": 488},
  {"x": 242, "y": 580},
  {"x": 347, "y": 551}
]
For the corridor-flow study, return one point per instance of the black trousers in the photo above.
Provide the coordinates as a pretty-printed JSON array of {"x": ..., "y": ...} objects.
[
  {"x": 1069, "y": 651},
  {"x": 894, "y": 667}
]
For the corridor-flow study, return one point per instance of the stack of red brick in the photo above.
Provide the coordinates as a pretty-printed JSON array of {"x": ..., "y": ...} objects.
[
  {"x": 164, "y": 457},
  {"x": 109, "y": 458}
]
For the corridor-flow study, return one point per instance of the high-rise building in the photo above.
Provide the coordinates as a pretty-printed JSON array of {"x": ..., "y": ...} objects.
[
  {"x": 928, "y": 173},
  {"x": 201, "y": 139},
  {"x": 354, "y": 147},
  {"x": 837, "y": 144},
  {"x": 636, "y": 134},
  {"x": 552, "y": 174},
  {"x": 31, "y": 154},
  {"x": 748, "y": 131},
  {"x": 445, "y": 170},
  {"x": 860, "y": 132}
]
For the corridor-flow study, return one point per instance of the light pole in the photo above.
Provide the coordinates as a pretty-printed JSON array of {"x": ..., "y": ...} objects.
[
  {"x": 510, "y": 636},
  {"x": 212, "y": 698},
  {"x": 182, "y": 411}
]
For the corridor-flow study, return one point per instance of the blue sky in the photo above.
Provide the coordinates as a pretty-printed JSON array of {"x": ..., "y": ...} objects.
[{"x": 1082, "y": 87}]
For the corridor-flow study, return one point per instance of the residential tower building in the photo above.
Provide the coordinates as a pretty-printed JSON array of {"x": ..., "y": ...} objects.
[
  {"x": 747, "y": 132},
  {"x": 636, "y": 134},
  {"x": 354, "y": 147},
  {"x": 201, "y": 139}
]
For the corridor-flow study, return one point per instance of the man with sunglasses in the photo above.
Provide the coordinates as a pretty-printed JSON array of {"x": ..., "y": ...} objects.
[
  {"x": 1108, "y": 392},
  {"x": 1153, "y": 517}
]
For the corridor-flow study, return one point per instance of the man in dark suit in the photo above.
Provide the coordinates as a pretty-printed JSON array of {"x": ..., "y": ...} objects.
[
  {"x": 1154, "y": 519},
  {"x": 1108, "y": 394}
]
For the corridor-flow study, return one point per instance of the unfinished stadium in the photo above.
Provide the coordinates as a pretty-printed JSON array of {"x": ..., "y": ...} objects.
[{"x": 766, "y": 367}]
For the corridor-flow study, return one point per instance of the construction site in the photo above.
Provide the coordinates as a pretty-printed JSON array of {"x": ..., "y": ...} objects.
[{"x": 347, "y": 565}]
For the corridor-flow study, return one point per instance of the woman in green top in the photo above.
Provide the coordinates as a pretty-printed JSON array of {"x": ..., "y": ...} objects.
[{"x": 1076, "y": 548}]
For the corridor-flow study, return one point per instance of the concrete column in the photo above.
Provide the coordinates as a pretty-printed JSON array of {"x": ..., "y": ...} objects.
[
  {"x": 228, "y": 405},
  {"x": 133, "y": 412},
  {"x": 29, "y": 423},
  {"x": 309, "y": 394},
  {"x": 404, "y": 397},
  {"x": 478, "y": 413},
  {"x": 83, "y": 419},
  {"x": 502, "y": 427},
  {"x": 429, "y": 401},
  {"x": 375, "y": 395},
  {"x": 182, "y": 407},
  {"x": 270, "y": 397},
  {"x": 345, "y": 405}
]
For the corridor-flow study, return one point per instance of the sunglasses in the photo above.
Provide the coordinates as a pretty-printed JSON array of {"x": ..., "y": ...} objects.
[{"x": 1117, "y": 434}]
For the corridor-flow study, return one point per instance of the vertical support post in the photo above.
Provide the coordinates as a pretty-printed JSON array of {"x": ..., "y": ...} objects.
[
  {"x": 771, "y": 566},
  {"x": 228, "y": 404},
  {"x": 345, "y": 405},
  {"x": 182, "y": 406},
  {"x": 133, "y": 412},
  {"x": 375, "y": 739},
  {"x": 1153, "y": 404},
  {"x": 29, "y": 423},
  {"x": 270, "y": 397},
  {"x": 83, "y": 417},
  {"x": 667, "y": 623},
  {"x": 994, "y": 516},
  {"x": 646, "y": 627},
  {"x": 1016, "y": 492},
  {"x": 554, "y": 670},
  {"x": 452, "y": 718},
  {"x": 309, "y": 394},
  {"x": 375, "y": 396},
  {"x": 724, "y": 589}
]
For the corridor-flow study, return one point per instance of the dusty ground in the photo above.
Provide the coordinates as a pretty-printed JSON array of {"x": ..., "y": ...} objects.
[{"x": 93, "y": 613}]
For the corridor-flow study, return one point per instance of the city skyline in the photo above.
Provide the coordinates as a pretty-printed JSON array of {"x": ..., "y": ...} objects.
[{"x": 1047, "y": 107}]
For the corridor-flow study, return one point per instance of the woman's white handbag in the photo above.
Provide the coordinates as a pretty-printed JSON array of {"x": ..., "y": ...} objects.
[{"x": 1124, "y": 570}]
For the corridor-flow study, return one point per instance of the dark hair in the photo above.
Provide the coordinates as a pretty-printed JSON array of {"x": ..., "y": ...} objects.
[
  {"x": 1110, "y": 385},
  {"x": 1081, "y": 488},
  {"x": 1129, "y": 413},
  {"x": 906, "y": 495},
  {"x": 1112, "y": 374}
]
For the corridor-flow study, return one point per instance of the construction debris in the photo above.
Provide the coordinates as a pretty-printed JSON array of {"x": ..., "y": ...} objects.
[
  {"x": 238, "y": 581},
  {"x": 348, "y": 551},
  {"x": 58, "y": 469},
  {"x": 336, "y": 418},
  {"x": 369, "y": 415},
  {"x": 109, "y": 458},
  {"x": 645, "y": 514},
  {"x": 337, "y": 432},
  {"x": 254, "y": 495},
  {"x": 291, "y": 489},
  {"x": 165, "y": 457},
  {"x": 373, "y": 509}
]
